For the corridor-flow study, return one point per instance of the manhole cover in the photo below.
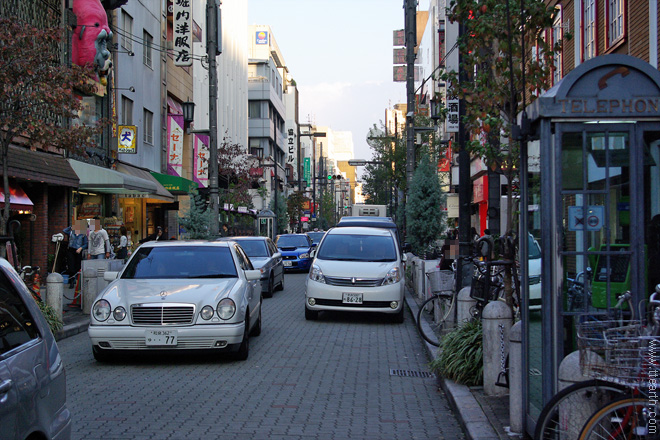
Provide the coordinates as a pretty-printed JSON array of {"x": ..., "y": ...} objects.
[{"x": 410, "y": 373}]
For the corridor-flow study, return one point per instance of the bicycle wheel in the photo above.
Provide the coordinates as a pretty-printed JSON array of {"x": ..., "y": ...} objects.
[
  {"x": 564, "y": 415},
  {"x": 430, "y": 329},
  {"x": 625, "y": 418}
]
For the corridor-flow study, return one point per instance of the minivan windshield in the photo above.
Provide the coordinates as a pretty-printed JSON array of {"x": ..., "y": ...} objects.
[{"x": 344, "y": 247}]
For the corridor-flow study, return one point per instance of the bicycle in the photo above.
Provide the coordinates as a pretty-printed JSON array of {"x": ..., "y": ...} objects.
[
  {"x": 441, "y": 303},
  {"x": 612, "y": 379},
  {"x": 578, "y": 292},
  {"x": 31, "y": 278}
]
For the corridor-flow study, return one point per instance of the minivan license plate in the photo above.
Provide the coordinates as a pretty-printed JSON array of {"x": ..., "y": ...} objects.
[
  {"x": 352, "y": 298},
  {"x": 160, "y": 337}
]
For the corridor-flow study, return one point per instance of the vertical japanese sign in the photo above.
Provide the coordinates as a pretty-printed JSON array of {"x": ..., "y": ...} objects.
[
  {"x": 127, "y": 139},
  {"x": 182, "y": 39},
  {"x": 201, "y": 162},
  {"x": 307, "y": 170},
  {"x": 291, "y": 154},
  {"x": 174, "y": 145},
  {"x": 452, "y": 116}
]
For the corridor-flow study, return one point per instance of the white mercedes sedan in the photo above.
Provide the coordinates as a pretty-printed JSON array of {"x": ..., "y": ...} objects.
[{"x": 179, "y": 296}]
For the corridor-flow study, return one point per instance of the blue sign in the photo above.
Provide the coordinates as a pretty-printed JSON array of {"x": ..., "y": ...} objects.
[{"x": 262, "y": 37}]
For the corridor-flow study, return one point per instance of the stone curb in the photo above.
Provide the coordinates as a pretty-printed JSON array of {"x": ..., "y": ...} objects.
[
  {"x": 72, "y": 329},
  {"x": 471, "y": 416}
]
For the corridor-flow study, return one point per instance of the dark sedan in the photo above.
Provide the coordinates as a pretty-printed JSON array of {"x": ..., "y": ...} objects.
[
  {"x": 295, "y": 249},
  {"x": 264, "y": 256}
]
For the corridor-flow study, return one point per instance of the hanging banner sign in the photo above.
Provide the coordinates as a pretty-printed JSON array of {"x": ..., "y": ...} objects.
[
  {"x": 127, "y": 139},
  {"x": 174, "y": 145},
  {"x": 291, "y": 156},
  {"x": 182, "y": 39},
  {"x": 307, "y": 165},
  {"x": 201, "y": 163}
]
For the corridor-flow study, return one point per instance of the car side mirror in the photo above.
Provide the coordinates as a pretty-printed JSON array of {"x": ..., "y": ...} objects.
[
  {"x": 277, "y": 255},
  {"x": 253, "y": 275},
  {"x": 110, "y": 276},
  {"x": 312, "y": 254}
]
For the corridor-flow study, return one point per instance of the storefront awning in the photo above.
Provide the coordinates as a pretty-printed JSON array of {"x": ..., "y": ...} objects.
[
  {"x": 175, "y": 184},
  {"x": 161, "y": 192},
  {"x": 39, "y": 166},
  {"x": 18, "y": 200},
  {"x": 104, "y": 180}
]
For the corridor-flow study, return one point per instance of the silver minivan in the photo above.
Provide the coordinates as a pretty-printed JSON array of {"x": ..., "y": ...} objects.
[{"x": 32, "y": 377}]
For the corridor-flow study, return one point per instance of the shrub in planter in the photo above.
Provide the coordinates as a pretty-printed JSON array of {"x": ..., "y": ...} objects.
[
  {"x": 461, "y": 355},
  {"x": 54, "y": 322}
]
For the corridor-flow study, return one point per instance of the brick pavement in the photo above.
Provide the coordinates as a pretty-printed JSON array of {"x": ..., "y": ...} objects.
[{"x": 303, "y": 380}]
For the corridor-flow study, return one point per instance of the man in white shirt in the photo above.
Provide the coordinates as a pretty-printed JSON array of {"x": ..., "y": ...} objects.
[{"x": 99, "y": 242}]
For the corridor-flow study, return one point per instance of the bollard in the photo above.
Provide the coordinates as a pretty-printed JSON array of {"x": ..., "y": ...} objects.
[
  {"x": 464, "y": 304},
  {"x": 90, "y": 287},
  {"x": 496, "y": 319},
  {"x": 55, "y": 292},
  {"x": 516, "y": 410}
]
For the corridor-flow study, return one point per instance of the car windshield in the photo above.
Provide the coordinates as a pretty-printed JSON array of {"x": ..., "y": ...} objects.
[
  {"x": 181, "y": 262},
  {"x": 357, "y": 248},
  {"x": 533, "y": 248},
  {"x": 316, "y": 236},
  {"x": 296, "y": 241},
  {"x": 254, "y": 248}
]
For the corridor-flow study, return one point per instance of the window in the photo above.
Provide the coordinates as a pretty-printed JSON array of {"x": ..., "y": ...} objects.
[
  {"x": 148, "y": 128},
  {"x": 16, "y": 324},
  {"x": 589, "y": 40},
  {"x": 614, "y": 21},
  {"x": 254, "y": 109},
  {"x": 255, "y": 148},
  {"x": 147, "y": 51},
  {"x": 127, "y": 31},
  {"x": 127, "y": 110},
  {"x": 557, "y": 55}
]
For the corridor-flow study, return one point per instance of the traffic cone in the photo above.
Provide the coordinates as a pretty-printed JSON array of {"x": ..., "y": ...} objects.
[{"x": 76, "y": 292}]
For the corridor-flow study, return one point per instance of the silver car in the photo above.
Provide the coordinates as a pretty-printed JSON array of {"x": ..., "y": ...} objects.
[
  {"x": 32, "y": 377},
  {"x": 264, "y": 256},
  {"x": 179, "y": 296}
]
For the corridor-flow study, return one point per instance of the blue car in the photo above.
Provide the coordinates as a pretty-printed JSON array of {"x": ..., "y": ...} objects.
[{"x": 295, "y": 249}]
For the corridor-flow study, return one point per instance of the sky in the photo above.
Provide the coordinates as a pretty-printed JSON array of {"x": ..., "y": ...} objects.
[{"x": 339, "y": 52}]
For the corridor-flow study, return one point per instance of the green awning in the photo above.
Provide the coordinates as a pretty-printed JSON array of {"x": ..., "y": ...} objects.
[{"x": 175, "y": 184}]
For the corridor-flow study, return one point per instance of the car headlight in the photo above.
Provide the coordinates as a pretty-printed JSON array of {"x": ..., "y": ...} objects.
[
  {"x": 119, "y": 314},
  {"x": 206, "y": 313},
  {"x": 226, "y": 308},
  {"x": 101, "y": 310},
  {"x": 393, "y": 276},
  {"x": 316, "y": 274},
  {"x": 301, "y": 256}
]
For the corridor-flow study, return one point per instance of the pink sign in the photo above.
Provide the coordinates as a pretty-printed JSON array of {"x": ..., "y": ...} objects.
[
  {"x": 174, "y": 144},
  {"x": 201, "y": 162}
]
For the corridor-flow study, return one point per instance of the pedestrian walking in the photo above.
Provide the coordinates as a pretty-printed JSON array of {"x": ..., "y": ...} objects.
[
  {"x": 77, "y": 234},
  {"x": 122, "y": 249},
  {"x": 99, "y": 241}
]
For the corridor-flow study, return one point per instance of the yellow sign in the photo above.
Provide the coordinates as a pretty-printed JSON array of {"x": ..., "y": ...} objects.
[{"x": 127, "y": 139}]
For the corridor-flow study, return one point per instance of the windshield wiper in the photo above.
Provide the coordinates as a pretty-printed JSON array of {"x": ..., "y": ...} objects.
[{"x": 217, "y": 275}]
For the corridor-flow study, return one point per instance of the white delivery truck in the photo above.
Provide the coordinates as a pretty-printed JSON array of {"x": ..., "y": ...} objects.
[{"x": 360, "y": 210}]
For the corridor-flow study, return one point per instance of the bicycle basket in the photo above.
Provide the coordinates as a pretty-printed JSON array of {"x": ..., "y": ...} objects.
[
  {"x": 441, "y": 281},
  {"x": 615, "y": 351}
]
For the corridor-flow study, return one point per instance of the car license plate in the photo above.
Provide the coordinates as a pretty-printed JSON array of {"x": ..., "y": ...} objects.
[
  {"x": 287, "y": 263},
  {"x": 160, "y": 337},
  {"x": 352, "y": 298}
]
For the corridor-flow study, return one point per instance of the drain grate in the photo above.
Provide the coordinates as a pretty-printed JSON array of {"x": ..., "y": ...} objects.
[{"x": 409, "y": 373}]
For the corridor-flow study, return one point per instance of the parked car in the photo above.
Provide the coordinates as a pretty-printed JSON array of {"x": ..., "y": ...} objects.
[
  {"x": 32, "y": 376},
  {"x": 534, "y": 270},
  {"x": 316, "y": 236},
  {"x": 179, "y": 296},
  {"x": 264, "y": 256},
  {"x": 295, "y": 249},
  {"x": 356, "y": 269},
  {"x": 373, "y": 222}
]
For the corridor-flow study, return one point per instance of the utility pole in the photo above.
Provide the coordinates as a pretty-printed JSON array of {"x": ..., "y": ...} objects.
[
  {"x": 212, "y": 51},
  {"x": 411, "y": 41}
]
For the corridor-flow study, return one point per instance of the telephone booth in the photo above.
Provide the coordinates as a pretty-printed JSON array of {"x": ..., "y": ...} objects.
[
  {"x": 591, "y": 181},
  {"x": 266, "y": 223}
]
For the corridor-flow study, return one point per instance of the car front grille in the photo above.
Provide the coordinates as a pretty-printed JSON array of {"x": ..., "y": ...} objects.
[
  {"x": 289, "y": 257},
  {"x": 150, "y": 314},
  {"x": 353, "y": 282},
  {"x": 183, "y": 343}
]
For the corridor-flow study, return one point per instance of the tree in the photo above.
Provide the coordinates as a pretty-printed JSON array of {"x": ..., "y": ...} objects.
[
  {"x": 294, "y": 207},
  {"x": 424, "y": 214},
  {"x": 233, "y": 174},
  {"x": 39, "y": 95},
  {"x": 281, "y": 212},
  {"x": 197, "y": 219}
]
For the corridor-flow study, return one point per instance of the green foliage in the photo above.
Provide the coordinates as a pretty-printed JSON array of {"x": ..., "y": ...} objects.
[
  {"x": 281, "y": 213},
  {"x": 461, "y": 355},
  {"x": 197, "y": 219},
  {"x": 382, "y": 179},
  {"x": 326, "y": 217},
  {"x": 424, "y": 214},
  {"x": 294, "y": 207},
  {"x": 54, "y": 322}
]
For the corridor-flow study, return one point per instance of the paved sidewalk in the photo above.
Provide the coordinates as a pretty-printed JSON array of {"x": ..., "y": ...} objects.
[
  {"x": 483, "y": 417},
  {"x": 75, "y": 321}
]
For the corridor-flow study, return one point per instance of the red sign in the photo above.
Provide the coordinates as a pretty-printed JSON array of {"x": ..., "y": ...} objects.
[
  {"x": 304, "y": 219},
  {"x": 444, "y": 162}
]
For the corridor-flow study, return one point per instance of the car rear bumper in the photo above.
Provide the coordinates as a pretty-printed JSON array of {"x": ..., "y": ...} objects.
[
  {"x": 198, "y": 337},
  {"x": 374, "y": 299}
]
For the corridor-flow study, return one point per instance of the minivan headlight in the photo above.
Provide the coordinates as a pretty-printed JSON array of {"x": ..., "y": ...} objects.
[
  {"x": 315, "y": 274},
  {"x": 393, "y": 276}
]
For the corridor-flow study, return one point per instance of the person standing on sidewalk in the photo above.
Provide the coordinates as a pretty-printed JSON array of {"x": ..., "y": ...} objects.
[
  {"x": 99, "y": 241},
  {"x": 77, "y": 234},
  {"x": 122, "y": 248}
]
